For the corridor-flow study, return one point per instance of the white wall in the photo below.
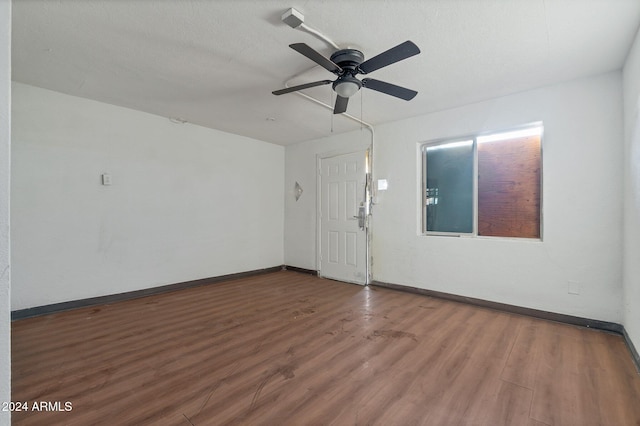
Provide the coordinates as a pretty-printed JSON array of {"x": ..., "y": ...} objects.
[
  {"x": 5, "y": 167},
  {"x": 582, "y": 204},
  {"x": 631, "y": 269},
  {"x": 186, "y": 202}
]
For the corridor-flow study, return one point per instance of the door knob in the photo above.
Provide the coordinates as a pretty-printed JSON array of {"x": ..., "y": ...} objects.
[{"x": 361, "y": 217}]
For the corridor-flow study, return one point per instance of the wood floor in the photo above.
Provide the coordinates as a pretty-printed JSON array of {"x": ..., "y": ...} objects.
[{"x": 289, "y": 348}]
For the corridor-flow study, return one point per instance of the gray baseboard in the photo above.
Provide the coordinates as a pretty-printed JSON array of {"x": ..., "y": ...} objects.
[
  {"x": 632, "y": 349},
  {"x": 112, "y": 298},
  {"x": 301, "y": 270}
]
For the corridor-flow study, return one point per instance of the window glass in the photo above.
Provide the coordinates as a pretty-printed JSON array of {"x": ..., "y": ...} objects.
[
  {"x": 449, "y": 187},
  {"x": 509, "y": 187}
]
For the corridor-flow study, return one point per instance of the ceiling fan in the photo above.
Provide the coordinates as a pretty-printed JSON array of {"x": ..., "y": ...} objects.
[{"x": 347, "y": 63}]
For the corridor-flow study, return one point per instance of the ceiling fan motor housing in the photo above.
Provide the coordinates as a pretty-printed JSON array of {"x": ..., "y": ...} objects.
[{"x": 348, "y": 60}]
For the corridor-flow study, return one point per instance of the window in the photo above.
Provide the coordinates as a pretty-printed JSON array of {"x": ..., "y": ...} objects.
[{"x": 487, "y": 185}]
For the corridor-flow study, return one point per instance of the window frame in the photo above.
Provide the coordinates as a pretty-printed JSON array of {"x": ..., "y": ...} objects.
[{"x": 474, "y": 138}]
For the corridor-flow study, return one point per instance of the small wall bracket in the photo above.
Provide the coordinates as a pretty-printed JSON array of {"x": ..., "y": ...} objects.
[{"x": 297, "y": 190}]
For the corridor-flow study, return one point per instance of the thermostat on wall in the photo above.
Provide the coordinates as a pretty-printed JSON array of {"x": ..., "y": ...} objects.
[{"x": 106, "y": 179}]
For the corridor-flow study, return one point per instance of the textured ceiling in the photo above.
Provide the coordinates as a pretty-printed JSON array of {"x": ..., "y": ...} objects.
[{"x": 215, "y": 63}]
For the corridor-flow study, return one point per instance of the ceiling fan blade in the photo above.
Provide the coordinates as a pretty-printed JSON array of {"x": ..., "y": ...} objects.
[
  {"x": 341, "y": 105},
  {"x": 389, "y": 89},
  {"x": 316, "y": 57},
  {"x": 391, "y": 56},
  {"x": 301, "y": 87}
]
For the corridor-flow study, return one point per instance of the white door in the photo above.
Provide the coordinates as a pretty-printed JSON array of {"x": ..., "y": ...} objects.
[{"x": 343, "y": 236}]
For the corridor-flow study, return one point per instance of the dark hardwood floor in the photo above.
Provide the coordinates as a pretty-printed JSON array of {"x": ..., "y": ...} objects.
[{"x": 289, "y": 348}]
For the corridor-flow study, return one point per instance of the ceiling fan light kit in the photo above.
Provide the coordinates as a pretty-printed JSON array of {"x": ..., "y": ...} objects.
[
  {"x": 347, "y": 63},
  {"x": 347, "y": 86}
]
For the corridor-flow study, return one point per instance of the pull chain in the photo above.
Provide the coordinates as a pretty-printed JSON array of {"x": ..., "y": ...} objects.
[
  {"x": 331, "y": 112},
  {"x": 361, "y": 103}
]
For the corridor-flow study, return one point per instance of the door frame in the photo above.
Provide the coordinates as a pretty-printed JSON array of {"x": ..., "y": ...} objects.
[{"x": 366, "y": 151}]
